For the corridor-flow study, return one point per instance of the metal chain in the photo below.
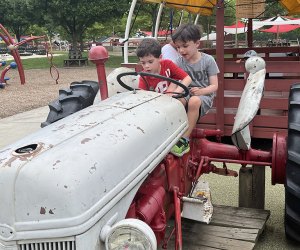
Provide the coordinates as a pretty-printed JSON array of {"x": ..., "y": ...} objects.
[{"x": 53, "y": 69}]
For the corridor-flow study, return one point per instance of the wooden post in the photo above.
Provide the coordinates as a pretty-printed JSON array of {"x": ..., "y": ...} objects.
[{"x": 252, "y": 187}]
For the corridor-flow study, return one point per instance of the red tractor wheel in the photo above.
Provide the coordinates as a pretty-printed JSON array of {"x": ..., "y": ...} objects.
[{"x": 292, "y": 187}]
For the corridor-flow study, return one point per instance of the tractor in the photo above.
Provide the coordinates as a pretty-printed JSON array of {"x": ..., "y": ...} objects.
[{"x": 103, "y": 177}]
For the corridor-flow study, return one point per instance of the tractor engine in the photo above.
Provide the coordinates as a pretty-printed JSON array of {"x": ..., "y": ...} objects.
[{"x": 154, "y": 202}]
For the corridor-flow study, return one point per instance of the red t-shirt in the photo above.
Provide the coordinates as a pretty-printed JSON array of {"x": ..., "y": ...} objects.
[{"x": 168, "y": 69}]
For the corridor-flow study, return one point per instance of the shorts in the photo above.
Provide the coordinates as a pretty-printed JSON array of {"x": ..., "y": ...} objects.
[{"x": 206, "y": 103}]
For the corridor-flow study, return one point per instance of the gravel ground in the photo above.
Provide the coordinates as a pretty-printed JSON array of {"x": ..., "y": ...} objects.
[{"x": 40, "y": 88}]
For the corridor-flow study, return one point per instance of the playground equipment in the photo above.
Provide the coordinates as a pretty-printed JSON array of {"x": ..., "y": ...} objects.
[
  {"x": 4, "y": 79},
  {"x": 13, "y": 48}
]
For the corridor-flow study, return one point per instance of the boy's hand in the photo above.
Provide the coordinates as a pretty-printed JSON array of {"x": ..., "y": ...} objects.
[
  {"x": 197, "y": 91},
  {"x": 169, "y": 94},
  {"x": 178, "y": 90}
]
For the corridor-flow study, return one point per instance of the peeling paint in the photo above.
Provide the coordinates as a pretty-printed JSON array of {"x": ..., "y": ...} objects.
[
  {"x": 85, "y": 140},
  {"x": 10, "y": 161},
  {"x": 141, "y": 130},
  {"x": 58, "y": 161},
  {"x": 1, "y": 160},
  {"x": 93, "y": 169},
  {"x": 42, "y": 210},
  {"x": 60, "y": 127}
]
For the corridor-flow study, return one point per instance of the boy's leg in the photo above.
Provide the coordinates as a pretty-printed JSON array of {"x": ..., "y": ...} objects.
[
  {"x": 194, "y": 105},
  {"x": 182, "y": 146}
]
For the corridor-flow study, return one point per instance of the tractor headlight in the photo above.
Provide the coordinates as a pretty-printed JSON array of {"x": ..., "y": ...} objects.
[{"x": 131, "y": 234}]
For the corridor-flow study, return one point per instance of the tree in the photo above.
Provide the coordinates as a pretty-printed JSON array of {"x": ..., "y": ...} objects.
[
  {"x": 75, "y": 16},
  {"x": 18, "y": 15}
]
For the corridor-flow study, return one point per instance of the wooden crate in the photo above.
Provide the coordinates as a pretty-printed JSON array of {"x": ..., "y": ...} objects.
[{"x": 230, "y": 228}]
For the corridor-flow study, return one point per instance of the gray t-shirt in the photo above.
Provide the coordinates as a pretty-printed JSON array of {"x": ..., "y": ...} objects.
[{"x": 200, "y": 71}]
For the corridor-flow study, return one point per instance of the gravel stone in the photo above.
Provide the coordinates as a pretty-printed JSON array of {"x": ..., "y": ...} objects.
[{"x": 40, "y": 89}]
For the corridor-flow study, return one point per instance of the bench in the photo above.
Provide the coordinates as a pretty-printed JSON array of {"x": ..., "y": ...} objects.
[
  {"x": 76, "y": 62},
  {"x": 75, "y": 59},
  {"x": 282, "y": 66}
]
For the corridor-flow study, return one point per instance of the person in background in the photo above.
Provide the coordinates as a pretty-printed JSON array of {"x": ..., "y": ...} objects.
[
  {"x": 203, "y": 70},
  {"x": 169, "y": 51}
]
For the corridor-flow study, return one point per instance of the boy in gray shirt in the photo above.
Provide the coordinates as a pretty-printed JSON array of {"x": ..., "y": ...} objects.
[{"x": 203, "y": 70}]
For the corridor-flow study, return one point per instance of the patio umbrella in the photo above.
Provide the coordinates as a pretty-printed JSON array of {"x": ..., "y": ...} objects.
[
  {"x": 211, "y": 37},
  {"x": 240, "y": 27},
  {"x": 279, "y": 24},
  {"x": 282, "y": 28},
  {"x": 278, "y": 20}
]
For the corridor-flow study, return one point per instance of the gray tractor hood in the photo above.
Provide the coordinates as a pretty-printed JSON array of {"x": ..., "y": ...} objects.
[{"x": 77, "y": 168}]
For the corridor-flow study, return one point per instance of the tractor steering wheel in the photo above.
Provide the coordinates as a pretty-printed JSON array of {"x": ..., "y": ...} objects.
[{"x": 178, "y": 95}]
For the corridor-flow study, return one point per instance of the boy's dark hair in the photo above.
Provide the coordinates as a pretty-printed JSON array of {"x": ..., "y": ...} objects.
[
  {"x": 149, "y": 46},
  {"x": 187, "y": 32}
]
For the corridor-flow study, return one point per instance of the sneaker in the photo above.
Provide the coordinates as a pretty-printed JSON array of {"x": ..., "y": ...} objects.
[{"x": 181, "y": 147}]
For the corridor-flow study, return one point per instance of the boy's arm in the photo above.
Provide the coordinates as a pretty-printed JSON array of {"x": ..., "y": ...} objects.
[
  {"x": 185, "y": 81},
  {"x": 178, "y": 73},
  {"x": 171, "y": 87},
  {"x": 212, "y": 87}
]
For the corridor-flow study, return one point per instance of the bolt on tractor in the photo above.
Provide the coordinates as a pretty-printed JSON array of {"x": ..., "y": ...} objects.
[{"x": 103, "y": 177}]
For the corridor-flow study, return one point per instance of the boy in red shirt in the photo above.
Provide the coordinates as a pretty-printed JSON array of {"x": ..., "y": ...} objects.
[{"x": 149, "y": 54}]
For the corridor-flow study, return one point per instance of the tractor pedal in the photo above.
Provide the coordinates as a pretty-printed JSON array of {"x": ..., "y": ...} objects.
[{"x": 197, "y": 205}]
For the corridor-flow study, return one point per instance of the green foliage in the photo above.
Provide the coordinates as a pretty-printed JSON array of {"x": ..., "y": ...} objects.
[
  {"x": 273, "y": 9},
  {"x": 18, "y": 15},
  {"x": 75, "y": 16},
  {"x": 36, "y": 30},
  {"x": 93, "y": 33},
  {"x": 82, "y": 20}
]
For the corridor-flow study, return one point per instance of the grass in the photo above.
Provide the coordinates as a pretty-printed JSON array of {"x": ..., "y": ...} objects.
[{"x": 58, "y": 60}]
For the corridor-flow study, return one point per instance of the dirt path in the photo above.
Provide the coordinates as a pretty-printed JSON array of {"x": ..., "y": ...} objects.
[{"x": 39, "y": 89}]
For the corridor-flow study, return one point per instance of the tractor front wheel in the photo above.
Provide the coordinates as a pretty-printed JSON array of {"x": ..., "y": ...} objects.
[{"x": 79, "y": 96}]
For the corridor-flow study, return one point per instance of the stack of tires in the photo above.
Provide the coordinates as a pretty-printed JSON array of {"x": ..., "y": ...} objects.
[
  {"x": 292, "y": 188},
  {"x": 79, "y": 96}
]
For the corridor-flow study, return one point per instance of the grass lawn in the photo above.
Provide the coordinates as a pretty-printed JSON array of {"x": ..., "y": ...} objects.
[{"x": 58, "y": 61}]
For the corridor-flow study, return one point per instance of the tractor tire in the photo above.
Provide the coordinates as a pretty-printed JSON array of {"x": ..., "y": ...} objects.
[
  {"x": 79, "y": 96},
  {"x": 292, "y": 187}
]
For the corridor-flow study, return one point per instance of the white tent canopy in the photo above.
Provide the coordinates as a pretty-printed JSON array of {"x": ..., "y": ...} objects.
[
  {"x": 211, "y": 37},
  {"x": 240, "y": 27},
  {"x": 259, "y": 24},
  {"x": 241, "y": 30},
  {"x": 276, "y": 21}
]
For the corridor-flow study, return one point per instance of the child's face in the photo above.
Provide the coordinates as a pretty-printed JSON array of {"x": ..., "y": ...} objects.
[
  {"x": 188, "y": 50},
  {"x": 150, "y": 64}
]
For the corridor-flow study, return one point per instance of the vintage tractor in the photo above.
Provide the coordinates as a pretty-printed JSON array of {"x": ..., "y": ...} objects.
[{"x": 103, "y": 178}]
